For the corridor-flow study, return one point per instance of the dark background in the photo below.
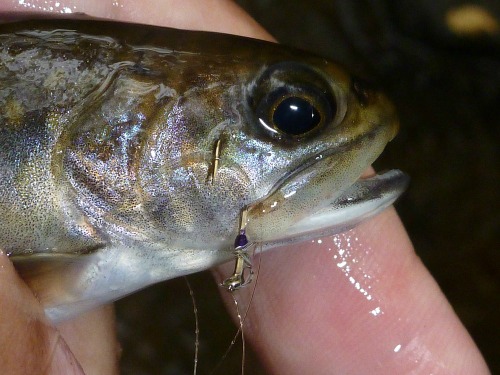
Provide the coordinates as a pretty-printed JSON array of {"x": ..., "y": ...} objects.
[{"x": 447, "y": 90}]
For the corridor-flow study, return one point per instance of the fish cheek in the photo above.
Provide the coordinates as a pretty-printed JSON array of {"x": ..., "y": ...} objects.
[
  {"x": 188, "y": 206},
  {"x": 186, "y": 196},
  {"x": 192, "y": 176}
]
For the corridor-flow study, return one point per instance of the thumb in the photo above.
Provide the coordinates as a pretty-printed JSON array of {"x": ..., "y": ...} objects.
[
  {"x": 34, "y": 346},
  {"x": 86, "y": 345}
]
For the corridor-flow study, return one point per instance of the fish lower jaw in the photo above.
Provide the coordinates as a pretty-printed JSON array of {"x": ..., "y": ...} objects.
[{"x": 364, "y": 199}]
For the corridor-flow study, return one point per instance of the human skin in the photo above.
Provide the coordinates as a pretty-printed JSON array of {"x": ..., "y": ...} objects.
[{"x": 356, "y": 303}]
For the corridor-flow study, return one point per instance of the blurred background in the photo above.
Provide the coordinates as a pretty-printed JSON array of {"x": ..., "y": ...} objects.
[{"x": 439, "y": 61}]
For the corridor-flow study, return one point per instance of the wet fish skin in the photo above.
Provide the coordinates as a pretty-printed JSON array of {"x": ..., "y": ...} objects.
[{"x": 107, "y": 136}]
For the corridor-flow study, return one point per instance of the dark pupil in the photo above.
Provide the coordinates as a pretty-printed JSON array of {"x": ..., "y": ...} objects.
[{"x": 295, "y": 116}]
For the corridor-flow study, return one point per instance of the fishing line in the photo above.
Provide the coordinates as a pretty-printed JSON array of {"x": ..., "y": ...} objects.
[
  {"x": 196, "y": 325},
  {"x": 238, "y": 314}
]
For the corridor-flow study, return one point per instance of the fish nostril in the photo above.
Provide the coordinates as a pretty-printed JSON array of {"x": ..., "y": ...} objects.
[{"x": 362, "y": 90}]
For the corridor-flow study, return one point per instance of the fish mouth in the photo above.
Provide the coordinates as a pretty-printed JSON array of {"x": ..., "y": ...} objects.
[
  {"x": 373, "y": 142},
  {"x": 366, "y": 198},
  {"x": 325, "y": 195}
]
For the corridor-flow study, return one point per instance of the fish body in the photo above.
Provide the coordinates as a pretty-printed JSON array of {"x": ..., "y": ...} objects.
[{"x": 128, "y": 152}]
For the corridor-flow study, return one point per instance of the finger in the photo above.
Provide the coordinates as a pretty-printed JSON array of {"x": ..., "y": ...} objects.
[
  {"x": 210, "y": 15},
  {"x": 356, "y": 303},
  {"x": 91, "y": 337},
  {"x": 30, "y": 344}
]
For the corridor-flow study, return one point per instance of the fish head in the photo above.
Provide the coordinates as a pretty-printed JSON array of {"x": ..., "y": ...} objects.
[
  {"x": 291, "y": 135},
  {"x": 281, "y": 137}
]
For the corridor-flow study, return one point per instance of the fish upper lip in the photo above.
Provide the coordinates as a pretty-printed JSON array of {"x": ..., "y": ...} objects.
[
  {"x": 318, "y": 156},
  {"x": 308, "y": 163}
]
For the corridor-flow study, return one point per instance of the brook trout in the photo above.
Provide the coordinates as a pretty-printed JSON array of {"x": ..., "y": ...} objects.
[{"x": 128, "y": 153}]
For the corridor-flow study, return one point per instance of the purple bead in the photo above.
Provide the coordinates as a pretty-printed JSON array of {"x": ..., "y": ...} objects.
[{"x": 241, "y": 240}]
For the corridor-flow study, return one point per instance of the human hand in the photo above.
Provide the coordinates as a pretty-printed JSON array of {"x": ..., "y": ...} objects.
[{"x": 307, "y": 315}]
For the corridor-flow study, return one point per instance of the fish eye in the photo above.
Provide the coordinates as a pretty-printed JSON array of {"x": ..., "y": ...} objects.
[
  {"x": 295, "y": 116},
  {"x": 293, "y": 101}
]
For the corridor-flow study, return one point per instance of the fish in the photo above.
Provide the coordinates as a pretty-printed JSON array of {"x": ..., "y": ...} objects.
[{"x": 131, "y": 154}]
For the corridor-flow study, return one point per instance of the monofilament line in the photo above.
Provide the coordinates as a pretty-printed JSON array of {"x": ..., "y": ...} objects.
[{"x": 196, "y": 325}]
